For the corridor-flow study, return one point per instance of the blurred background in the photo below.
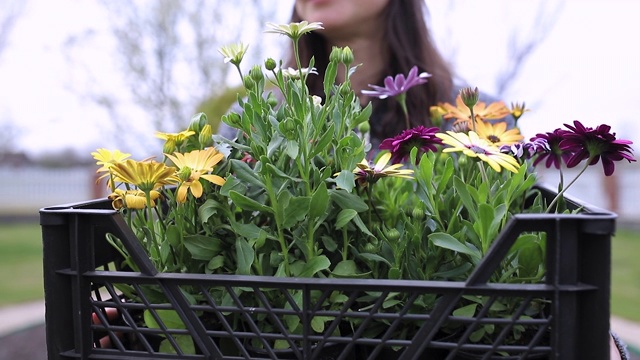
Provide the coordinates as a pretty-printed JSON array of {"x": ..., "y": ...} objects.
[{"x": 77, "y": 75}]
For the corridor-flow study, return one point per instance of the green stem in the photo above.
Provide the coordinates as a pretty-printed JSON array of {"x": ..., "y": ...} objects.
[
  {"x": 345, "y": 243},
  {"x": 473, "y": 119},
  {"x": 154, "y": 240},
  {"x": 402, "y": 100},
  {"x": 370, "y": 197},
  {"x": 483, "y": 172},
  {"x": 564, "y": 189},
  {"x": 283, "y": 244}
]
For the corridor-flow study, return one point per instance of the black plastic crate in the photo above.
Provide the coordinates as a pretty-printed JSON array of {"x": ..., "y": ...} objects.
[{"x": 80, "y": 279}]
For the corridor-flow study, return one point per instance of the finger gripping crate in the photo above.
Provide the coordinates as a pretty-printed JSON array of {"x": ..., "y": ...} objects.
[{"x": 81, "y": 282}]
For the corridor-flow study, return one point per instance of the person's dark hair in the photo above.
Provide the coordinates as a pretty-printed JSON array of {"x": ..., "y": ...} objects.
[{"x": 409, "y": 43}]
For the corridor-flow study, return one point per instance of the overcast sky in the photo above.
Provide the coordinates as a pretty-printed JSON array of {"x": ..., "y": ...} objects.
[{"x": 587, "y": 68}]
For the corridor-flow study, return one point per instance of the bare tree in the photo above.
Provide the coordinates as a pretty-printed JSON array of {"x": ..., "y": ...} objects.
[
  {"x": 523, "y": 43},
  {"x": 167, "y": 57},
  {"x": 524, "y": 26},
  {"x": 10, "y": 10}
]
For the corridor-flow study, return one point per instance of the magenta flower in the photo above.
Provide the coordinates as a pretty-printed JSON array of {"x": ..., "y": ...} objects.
[
  {"x": 420, "y": 137},
  {"x": 554, "y": 154},
  {"x": 398, "y": 85},
  {"x": 595, "y": 144}
]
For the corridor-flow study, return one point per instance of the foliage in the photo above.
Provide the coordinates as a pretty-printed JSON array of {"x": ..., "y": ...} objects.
[{"x": 300, "y": 192}]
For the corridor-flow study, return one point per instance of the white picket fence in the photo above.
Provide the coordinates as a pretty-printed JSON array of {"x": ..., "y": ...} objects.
[{"x": 24, "y": 190}]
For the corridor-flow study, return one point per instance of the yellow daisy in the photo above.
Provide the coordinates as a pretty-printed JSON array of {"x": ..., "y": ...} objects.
[
  {"x": 132, "y": 199},
  {"x": 145, "y": 175},
  {"x": 192, "y": 167},
  {"x": 473, "y": 146},
  {"x": 461, "y": 113},
  {"x": 518, "y": 109},
  {"x": 497, "y": 134}
]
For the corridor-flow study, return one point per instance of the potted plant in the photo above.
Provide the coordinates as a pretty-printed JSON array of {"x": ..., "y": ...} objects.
[{"x": 298, "y": 240}]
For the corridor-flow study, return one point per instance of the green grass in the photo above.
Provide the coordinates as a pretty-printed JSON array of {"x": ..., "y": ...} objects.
[
  {"x": 21, "y": 268},
  {"x": 20, "y": 263},
  {"x": 625, "y": 275}
]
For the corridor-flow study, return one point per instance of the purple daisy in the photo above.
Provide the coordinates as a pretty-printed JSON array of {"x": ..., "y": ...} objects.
[
  {"x": 421, "y": 137},
  {"x": 526, "y": 150},
  {"x": 398, "y": 85},
  {"x": 586, "y": 143},
  {"x": 552, "y": 152}
]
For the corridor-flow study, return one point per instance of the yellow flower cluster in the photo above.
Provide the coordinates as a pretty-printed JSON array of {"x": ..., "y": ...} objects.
[{"x": 142, "y": 179}]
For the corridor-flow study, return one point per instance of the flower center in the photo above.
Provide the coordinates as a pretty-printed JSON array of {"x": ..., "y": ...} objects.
[{"x": 493, "y": 138}]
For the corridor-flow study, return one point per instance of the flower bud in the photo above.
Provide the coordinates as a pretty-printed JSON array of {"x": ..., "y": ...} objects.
[
  {"x": 392, "y": 235},
  {"x": 347, "y": 56},
  {"x": 248, "y": 82},
  {"x": 169, "y": 146},
  {"x": 336, "y": 55},
  {"x": 256, "y": 74},
  {"x": 233, "y": 119},
  {"x": 197, "y": 122},
  {"x": 287, "y": 127},
  {"x": 345, "y": 88},
  {"x": 272, "y": 100},
  {"x": 469, "y": 96},
  {"x": 364, "y": 127},
  {"x": 204, "y": 137},
  {"x": 417, "y": 213},
  {"x": 270, "y": 64},
  {"x": 184, "y": 173},
  {"x": 517, "y": 110},
  {"x": 370, "y": 248}
]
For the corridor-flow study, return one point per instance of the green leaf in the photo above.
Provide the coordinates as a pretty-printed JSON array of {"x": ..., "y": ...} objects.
[
  {"x": 245, "y": 255},
  {"x": 279, "y": 173},
  {"x": 345, "y": 268},
  {"x": 185, "y": 342},
  {"x": 216, "y": 262},
  {"x": 374, "y": 257},
  {"x": 317, "y": 323},
  {"x": 477, "y": 335},
  {"x": 394, "y": 273},
  {"x": 464, "y": 194},
  {"x": 466, "y": 311},
  {"x": 249, "y": 231},
  {"x": 248, "y": 204},
  {"x": 232, "y": 183},
  {"x": 324, "y": 140},
  {"x": 292, "y": 149},
  {"x": 202, "y": 247},
  {"x": 169, "y": 318},
  {"x": 447, "y": 241},
  {"x": 296, "y": 211},
  {"x": 208, "y": 209},
  {"x": 173, "y": 235},
  {"x": 346, "y": 180},
  {"x": 319, "y": 202},
  {"x": 245, "y": 173},
  {"x": 344, "y": 216},
  {"x": 274, "y": 145},
  {"x": 329, "y": 78},
  {"x": 314, "y": 266},
  {"x": 347, "y": 200},
  {"x": 360, "y": 224}
]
